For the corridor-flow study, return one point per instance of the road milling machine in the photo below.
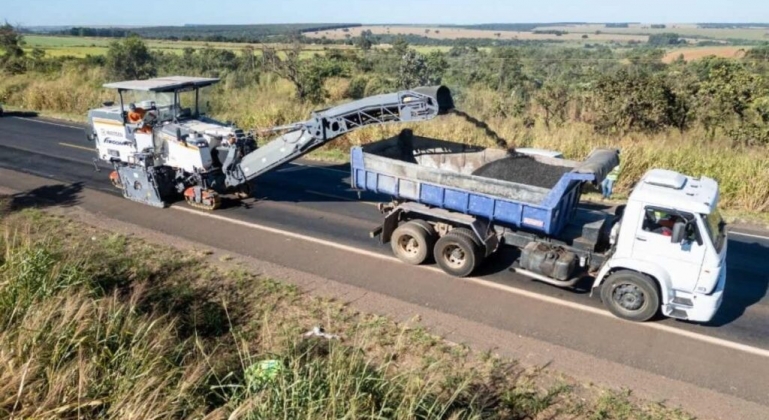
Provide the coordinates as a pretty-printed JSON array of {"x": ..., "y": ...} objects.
[{"x": 162, "y": 144}]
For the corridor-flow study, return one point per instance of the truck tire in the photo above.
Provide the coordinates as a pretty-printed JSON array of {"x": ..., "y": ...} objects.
[
  {"x": 428, "y": 228},
  {"x": 456, "y": 254},
  {"x": 412, "y": 243},
  {"x": 480, "y": 255},
  {"x": 631, "y": 295}
]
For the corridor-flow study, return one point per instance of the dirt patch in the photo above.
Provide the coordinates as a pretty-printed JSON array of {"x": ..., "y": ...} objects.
[
  {"x": 702, "y": 52},
  {"x": 523, "y": 170}
]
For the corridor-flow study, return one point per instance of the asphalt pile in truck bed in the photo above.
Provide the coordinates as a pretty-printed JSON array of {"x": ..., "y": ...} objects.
[{"x": 523, "y": 170}]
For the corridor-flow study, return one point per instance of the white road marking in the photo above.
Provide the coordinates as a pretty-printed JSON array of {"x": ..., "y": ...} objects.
[
  {"x": 74, "y": 146},
  {"x": 508, "y": 289},
  {"x": 749, "y": 235},
  {"x": 49, "y": 123}
]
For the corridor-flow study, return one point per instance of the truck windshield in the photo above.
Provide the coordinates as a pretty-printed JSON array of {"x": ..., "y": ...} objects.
[{"x": 714, "y": 225}]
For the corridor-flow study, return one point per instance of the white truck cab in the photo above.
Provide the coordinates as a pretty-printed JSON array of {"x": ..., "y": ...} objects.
[{"x": 670, "y": 237}]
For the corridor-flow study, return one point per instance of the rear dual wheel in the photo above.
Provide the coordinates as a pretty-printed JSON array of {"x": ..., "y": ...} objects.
[
  {"x": 458, "y": 253},
  {"x": 412, "y": 241}
]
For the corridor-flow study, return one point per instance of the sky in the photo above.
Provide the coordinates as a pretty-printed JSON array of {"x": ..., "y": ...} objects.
[{"x": 179, "y": 12}]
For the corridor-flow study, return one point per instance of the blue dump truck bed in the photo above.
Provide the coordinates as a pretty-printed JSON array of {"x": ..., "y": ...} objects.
[{"x": 530, "y": 192}]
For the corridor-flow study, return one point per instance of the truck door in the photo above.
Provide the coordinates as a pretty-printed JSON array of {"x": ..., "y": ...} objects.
[{"x": 653, "y": 243}]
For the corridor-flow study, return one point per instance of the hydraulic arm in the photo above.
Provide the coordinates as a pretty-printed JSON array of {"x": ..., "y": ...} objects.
[{"x": 419, "y": 104}]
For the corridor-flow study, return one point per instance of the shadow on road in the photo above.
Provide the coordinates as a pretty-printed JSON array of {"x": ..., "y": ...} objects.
[
  {"x": 747, "y": 280},
  {"x": 23, "y": 114},
  {"x": 46, "y": 196}
]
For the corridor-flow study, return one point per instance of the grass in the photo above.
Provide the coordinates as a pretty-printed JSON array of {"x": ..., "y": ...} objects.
[{"x": 98, "y": 325}]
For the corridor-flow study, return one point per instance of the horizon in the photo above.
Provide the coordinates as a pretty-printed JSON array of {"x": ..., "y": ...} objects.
[
  {"x": 37, "y": 13},
  {"x": 107, "y": 25}
]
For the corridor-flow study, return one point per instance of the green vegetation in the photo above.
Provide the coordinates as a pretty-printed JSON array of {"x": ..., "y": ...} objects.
[
  {"x": 98, "y": 325},
  {"x": 666, "y": 39},
  {"x": 211, "y": 33},
  {"x": 705, "y": 117}
]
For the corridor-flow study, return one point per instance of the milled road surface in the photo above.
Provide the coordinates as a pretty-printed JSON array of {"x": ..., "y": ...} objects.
[{"x": 306, "y": 217}]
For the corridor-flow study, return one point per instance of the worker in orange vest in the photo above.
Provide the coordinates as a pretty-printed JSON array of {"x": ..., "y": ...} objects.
[{"x": 135, "y": 115}]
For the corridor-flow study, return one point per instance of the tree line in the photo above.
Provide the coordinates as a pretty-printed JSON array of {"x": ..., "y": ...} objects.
[{"x": 615, "y": 91}]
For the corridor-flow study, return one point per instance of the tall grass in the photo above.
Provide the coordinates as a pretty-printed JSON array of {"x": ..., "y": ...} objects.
[
  {"x": 741, "y": 171},
  {"x": 94, "y": 325}
]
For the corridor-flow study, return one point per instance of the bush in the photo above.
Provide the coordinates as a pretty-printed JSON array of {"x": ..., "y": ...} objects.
[
  {"x": 357, "y": 87},
  {"x": 130, "y": 59}
]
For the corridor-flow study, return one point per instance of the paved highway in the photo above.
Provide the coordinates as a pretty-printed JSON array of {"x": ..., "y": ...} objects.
[{"x": 306, "y": 217}]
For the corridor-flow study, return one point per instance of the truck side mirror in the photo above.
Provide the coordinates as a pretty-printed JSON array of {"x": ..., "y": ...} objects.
[{"x": 679, "y": 232}]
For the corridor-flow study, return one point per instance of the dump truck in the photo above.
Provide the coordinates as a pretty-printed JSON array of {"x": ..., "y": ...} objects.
[{"x": 663, "y": 252}]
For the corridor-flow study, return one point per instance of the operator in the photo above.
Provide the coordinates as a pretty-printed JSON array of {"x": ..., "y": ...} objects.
[
  {"x": 664, "y": 222},
  {"x": 135, "y": 115}
]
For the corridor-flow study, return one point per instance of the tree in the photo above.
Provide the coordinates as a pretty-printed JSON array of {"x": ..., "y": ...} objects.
[
  {"x": 12, "y": 60},
  {"x": 554, "y": 100},
  {"x": 665, "y": 39},
  {"x": 307, "y": 76},
  {"x": 400, "y": 47},
  {"x": 130, "y": 59},
  {"x": 413, "y": 70},
  {"x": 364, "y": 42},
  {"x": 632, "y": 101},
  {"x": 731, "y": 98}
]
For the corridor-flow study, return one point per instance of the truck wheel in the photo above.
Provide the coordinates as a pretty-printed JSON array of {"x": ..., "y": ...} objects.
[
  {"x": 456, "y": 254},
  {"x": 411, "y": 243},
  {"x": 630, "y": 295},
  {"x": 428, "y": 228},
  {"x": 469, "y": 234}
]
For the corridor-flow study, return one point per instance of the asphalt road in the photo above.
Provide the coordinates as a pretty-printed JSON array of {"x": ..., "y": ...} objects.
[{"x": 305, "y": 216}]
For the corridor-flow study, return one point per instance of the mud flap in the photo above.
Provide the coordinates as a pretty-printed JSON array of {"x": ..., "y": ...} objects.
[
  {"x": 388, "y": 227},
  {"x": 139, "y": 184}
]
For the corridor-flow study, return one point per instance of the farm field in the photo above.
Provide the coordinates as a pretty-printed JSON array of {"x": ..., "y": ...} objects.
[
  {"x": 57, "y": 46},
  {"x": 686, "y": 30},
  {"x": 462, "y": 33},
  {"x": 696, "y": 53}
]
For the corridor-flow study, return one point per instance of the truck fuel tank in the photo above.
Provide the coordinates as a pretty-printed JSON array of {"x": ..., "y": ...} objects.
[{"x": 553, "y": 262}]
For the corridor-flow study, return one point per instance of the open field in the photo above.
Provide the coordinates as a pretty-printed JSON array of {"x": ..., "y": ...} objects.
[
  {"x": 701, "y": 52},
  {"x": 686, "y": 30},
  {"x": 461, "y": 33},
  {"x": 57, "y": 46}
]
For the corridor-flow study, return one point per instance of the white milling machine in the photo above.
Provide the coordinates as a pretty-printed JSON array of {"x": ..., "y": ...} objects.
[{"x": 174, "y": 148}]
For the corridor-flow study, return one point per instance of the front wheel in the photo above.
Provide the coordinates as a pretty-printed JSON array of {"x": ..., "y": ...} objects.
[{"x": 631, "y": 295}]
